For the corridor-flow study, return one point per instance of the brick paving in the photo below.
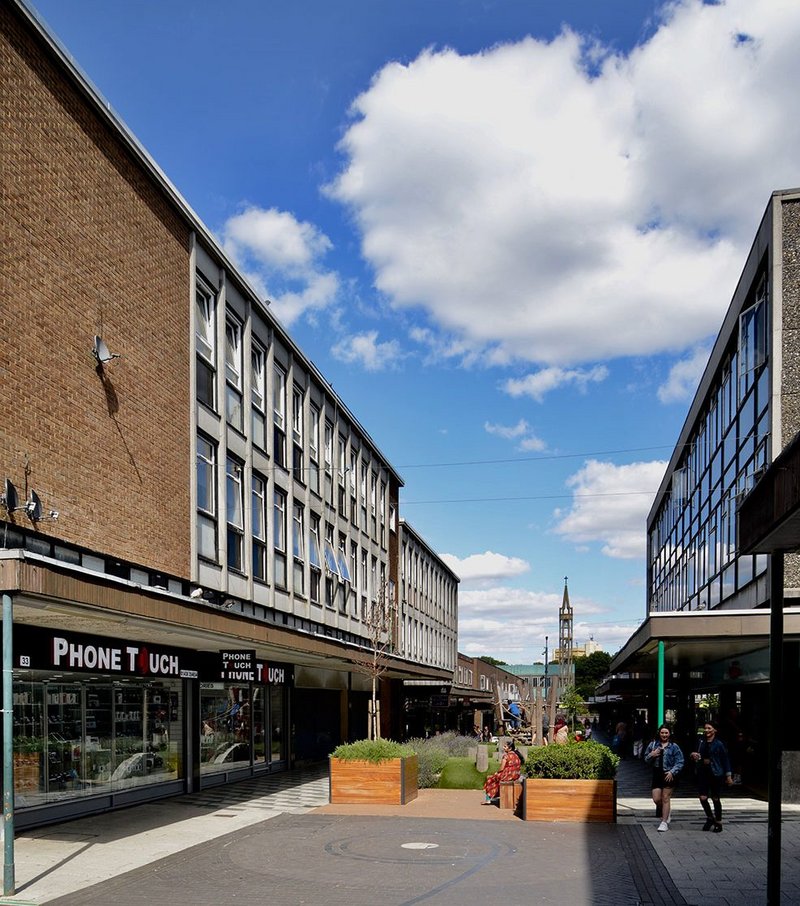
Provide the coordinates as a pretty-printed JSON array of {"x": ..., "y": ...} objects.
[{"x": 275, "y": 839}]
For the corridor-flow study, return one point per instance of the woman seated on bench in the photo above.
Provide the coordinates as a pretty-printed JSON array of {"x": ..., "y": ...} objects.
[{"x": 510, "y": 765}]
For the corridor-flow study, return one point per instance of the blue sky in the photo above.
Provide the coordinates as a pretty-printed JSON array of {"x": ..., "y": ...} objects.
[{"x": 506, "y": 232}]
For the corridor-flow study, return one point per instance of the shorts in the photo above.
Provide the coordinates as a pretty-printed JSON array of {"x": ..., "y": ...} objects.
[{"x": 660, "y": 781}]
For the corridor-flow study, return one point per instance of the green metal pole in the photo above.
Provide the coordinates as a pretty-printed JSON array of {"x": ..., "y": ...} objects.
[
  {"x": 660, "y": 683},
  {"x": 9, "y": 885}
]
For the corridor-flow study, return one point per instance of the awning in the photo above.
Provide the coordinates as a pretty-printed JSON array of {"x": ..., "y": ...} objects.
[{"x": 694, "y": 639}]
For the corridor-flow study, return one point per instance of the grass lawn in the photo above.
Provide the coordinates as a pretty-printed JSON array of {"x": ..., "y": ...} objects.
[{"x": 461, "y": 774}]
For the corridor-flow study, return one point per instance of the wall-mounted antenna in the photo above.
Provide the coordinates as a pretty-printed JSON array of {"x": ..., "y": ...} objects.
[
  {"x": 33, "y": 509},
  {"x": 8, "y": 499},
  {"x": 101, "y": 353}
]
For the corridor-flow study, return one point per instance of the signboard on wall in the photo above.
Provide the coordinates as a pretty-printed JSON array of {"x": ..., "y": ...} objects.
[
  {"x": 50, "y": 649},
  {"x": 238, "y": 666}
]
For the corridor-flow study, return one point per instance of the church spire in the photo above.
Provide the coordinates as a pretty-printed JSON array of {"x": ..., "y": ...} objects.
[{"x": 565, "y": 638}]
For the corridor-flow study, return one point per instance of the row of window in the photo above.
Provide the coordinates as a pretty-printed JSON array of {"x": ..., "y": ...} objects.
[
  {"x": 429, "y": 644},
  {"x": 317, "y": 455},
  {"x": 426, "y": 587},
  {"x": 692, "y": 542},
  {"x": 312, "y": 548}
]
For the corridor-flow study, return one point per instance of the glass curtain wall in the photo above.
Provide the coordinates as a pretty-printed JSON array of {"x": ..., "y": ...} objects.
[{"x": 692, "y": 543}]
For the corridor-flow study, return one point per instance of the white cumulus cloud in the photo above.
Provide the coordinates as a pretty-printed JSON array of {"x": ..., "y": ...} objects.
[
  {"x": 522, "y": 432},
  {"x": 684, "y": 376},
  {"x": 365, "y": 350},
  {"x": 282, "y": 258},
  {"x": 542, "y": 382},
  {"x": 610, "y": 504},
  {"x": 511, "y": 623},
  {"x": 559, "y": 202},
  {"x": 488, "y": 566}
]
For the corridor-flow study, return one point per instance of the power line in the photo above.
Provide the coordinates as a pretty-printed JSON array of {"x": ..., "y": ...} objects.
[
  {"x": 486, "y": 462},
  {"x": 536, "y": 497}
]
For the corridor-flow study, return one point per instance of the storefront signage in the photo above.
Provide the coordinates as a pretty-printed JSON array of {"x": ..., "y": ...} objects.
[
  {"x": 49, "y": 649},
  {"x": 271, "y": 674},
  {"x": 238, "y": 666}
]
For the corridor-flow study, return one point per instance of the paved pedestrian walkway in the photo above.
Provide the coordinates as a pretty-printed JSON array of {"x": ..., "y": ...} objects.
[{"x": 276, "y": 839}]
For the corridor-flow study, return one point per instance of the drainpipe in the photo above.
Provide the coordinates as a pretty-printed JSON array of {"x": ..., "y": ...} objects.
[{"x": 9, "y": 886}]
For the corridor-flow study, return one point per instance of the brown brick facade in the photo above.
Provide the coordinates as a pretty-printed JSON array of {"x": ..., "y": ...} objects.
[{"x": 90, "y": 246}]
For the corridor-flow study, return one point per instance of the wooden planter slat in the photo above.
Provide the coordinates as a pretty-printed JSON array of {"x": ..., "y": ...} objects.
[
  {"x": 570, "y": 800},
  {"x": 392, "y": 782}
]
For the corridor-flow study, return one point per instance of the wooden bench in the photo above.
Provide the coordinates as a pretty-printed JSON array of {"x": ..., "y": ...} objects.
[{"x": 510, "y": 795}]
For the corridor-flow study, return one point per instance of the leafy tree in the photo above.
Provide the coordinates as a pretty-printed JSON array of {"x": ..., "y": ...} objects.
[
  {"x": 492, "y": 661},
  {"x": 589, "y": 672},
  {"x": 572, "y": 702}
]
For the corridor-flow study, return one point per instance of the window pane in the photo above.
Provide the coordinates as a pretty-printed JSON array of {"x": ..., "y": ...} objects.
[
  {"x": 279, "y": 520},
  {"x": 233, "y": 352},
  {"x": 204, "y": 383},
  {"x": 234, "y": 493},
  {"x": 233, "y": 408},
  {"x": 204, "y": 327},
  {"x": 205, "y": 476},
  {"x": 259, "y": 430},
  {"x": 206, "y": 538},
  {"x": 297, "y": 534}
]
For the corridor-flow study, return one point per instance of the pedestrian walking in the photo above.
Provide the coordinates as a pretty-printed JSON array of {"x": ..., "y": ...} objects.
[
  {"x": 666, "y": 759},
  {"x": 713, "y": 771}
]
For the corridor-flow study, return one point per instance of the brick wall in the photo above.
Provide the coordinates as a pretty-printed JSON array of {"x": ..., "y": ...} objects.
[{"x": 90, "y": 246}]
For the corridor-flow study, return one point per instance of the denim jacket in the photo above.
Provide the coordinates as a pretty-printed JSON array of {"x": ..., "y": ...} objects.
[
  {"x": 717, "y": 756},
  {"x": 672, "y": 759}
]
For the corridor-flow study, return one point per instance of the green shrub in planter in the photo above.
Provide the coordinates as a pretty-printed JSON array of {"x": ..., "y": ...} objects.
[
  {"x": 573, "y": 761},
  {"x": 433, "y": 752},
  {"x": 374, "y": 750}
]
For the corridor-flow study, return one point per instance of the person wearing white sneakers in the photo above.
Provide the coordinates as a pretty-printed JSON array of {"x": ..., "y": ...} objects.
[{"x": 666, "y": 759}]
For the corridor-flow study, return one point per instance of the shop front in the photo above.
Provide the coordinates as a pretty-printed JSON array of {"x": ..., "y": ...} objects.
[
  {"x": 95, "y": 719},
  {"x": 243, "y": 715},
  {"x": 101, "y": 723}
]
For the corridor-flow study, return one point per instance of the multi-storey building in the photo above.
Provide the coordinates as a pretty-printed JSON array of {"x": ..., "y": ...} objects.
[
  {"x": 426, "y": 628},
  {"x": 427, "y": 614},
  {"x": 706, "y": 598},
  {"x": 193, "y": 525}
]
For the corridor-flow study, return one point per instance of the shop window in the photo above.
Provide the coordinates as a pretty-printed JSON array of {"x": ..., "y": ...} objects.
[{"x": 226, "y": 739}]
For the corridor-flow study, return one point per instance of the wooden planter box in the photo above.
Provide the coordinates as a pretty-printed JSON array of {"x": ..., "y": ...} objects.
[
  {"x": 392, "y": 782},
  {"x": 569, "y": 800}
]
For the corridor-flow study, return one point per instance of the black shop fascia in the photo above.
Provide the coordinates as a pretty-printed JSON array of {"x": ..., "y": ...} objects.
[{"x": 50, "y": 649}]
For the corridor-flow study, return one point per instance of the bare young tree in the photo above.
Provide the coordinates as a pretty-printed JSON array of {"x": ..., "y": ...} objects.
[{"x": 378, "y": 617}]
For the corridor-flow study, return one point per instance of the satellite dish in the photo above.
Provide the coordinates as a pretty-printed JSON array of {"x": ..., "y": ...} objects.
[
  {"x": 33, "y": 508},
  {"x": 9, "y": 497},
  {"x": 101, "y": 353}
]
